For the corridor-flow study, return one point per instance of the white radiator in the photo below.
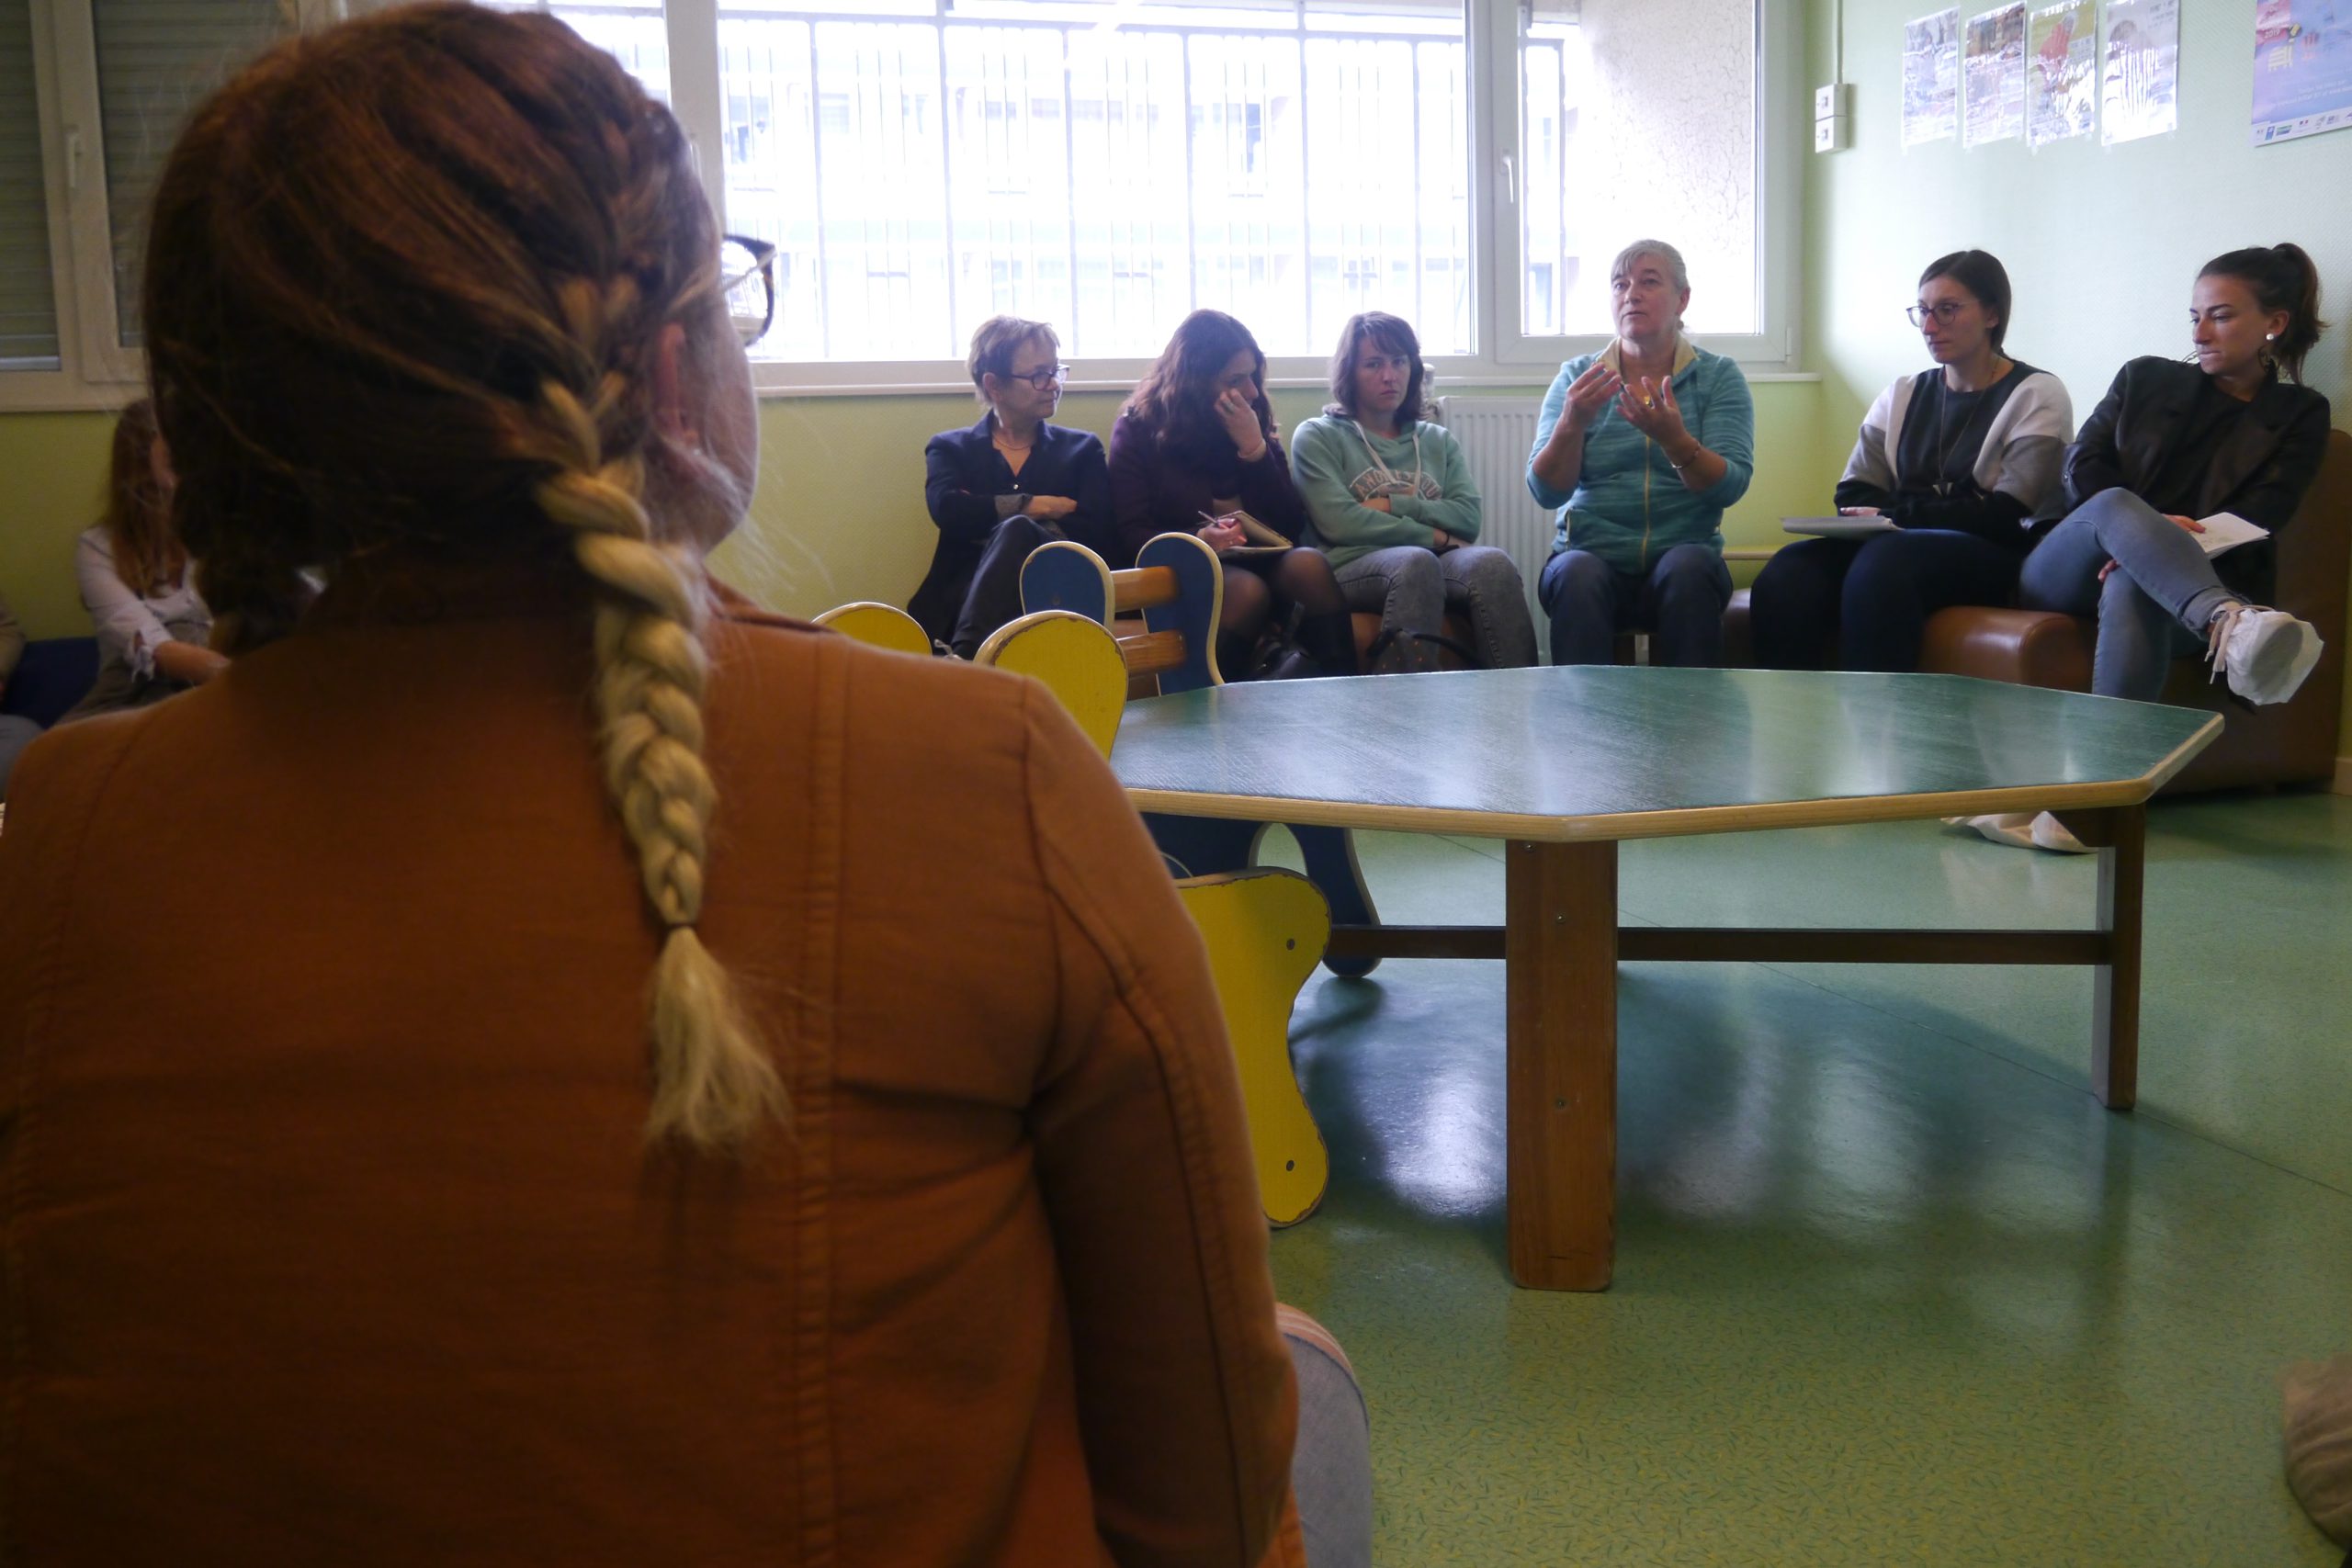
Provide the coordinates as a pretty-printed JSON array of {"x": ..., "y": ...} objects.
[{"x": 1496, "y": 434}]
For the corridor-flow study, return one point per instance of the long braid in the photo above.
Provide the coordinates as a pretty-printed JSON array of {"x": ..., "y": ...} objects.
[
  {"x": 405, "y": 277},
  {"x": 713, "y": 1085}
]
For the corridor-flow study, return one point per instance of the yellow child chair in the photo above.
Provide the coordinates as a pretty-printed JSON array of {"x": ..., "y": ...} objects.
[
  {"x": 879, "y": 626},
  {"x": 1265, "y": 929}
]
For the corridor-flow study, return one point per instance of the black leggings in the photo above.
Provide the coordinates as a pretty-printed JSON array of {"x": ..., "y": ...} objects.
[
  {"x": 1257, "y": 587},
  {"x": 1867, "y": 603}
]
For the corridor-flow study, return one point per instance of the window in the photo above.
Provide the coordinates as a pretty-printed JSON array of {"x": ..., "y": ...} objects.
[
  {"x": 1638, "y": 121},
  {"x": 157, "y": 60},
  {"x": 1103, "y": 164},
  {"x": 27, "y": 295}
]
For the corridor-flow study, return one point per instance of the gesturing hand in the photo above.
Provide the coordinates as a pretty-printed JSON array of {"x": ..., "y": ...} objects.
[
  {"x": 1239, "y": 417},
  {"x": 1649, "y": 407},
  {"x": 1589, "y": 396}
]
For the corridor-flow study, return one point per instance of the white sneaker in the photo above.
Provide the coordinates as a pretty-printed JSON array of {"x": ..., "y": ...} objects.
[{"x": 2266, "y": 654}]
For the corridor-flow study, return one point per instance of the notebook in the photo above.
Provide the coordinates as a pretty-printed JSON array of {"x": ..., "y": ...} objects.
[{"x": 1838, "y": 527}]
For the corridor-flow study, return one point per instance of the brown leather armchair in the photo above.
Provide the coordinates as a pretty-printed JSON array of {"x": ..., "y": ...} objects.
[{"x": 2293, "y": 742}]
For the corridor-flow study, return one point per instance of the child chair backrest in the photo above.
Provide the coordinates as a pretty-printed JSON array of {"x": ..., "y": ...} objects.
[
  {"x": 879, "y": 626},
  {"x": 1077, "y": 660},
  {"x": 1177, "y": 585}
]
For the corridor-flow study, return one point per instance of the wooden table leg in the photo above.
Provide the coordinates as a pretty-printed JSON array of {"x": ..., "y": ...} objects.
[
  {"x": 1560, "y": 963},
  {"x": 2115, "y": 998}
]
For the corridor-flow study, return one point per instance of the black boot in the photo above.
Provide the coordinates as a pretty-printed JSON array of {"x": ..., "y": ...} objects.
[{"x": 1330, "y": 641}]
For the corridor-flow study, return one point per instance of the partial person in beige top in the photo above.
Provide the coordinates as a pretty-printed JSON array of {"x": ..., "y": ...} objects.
[
  {"x": 577, "y": 1097},
  {"x": 138, "y": 583}
]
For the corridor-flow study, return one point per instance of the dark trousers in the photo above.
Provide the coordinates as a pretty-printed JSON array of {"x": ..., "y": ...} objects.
[
  {"x": 1680, "y": 602},
  {"x": 994, "y": 596},
  {"x": 1864, "y": 605}
]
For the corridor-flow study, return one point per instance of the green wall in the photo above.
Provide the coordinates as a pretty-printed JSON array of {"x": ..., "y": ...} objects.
[
  {"x": 839, "y": 513},
  {"x": 2101, "y": 244}
]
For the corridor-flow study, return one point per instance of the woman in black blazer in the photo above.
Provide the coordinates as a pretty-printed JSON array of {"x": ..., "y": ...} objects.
[
  {"x": 1006, "y": 486},
  {"x": 2173, "y": 442}
]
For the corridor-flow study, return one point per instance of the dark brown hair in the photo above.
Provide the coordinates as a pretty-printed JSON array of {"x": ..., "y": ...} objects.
[
  {"x": 148, "y": 554},
  {"x": 1176, "y": 394},
  {"x": 1982, "y": 274},
  {"x": 2282, "y": 279},
  {"x": 406, "y": 280},
  {"x": 1383, "y": 330}
]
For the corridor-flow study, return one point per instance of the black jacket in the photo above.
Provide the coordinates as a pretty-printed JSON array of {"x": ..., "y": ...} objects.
[
  {"x": 964, "y": 475},
  {"x": 2261, "y": 473}
]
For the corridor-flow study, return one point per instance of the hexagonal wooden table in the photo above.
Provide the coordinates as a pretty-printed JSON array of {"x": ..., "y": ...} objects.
[{"x": 1563, "y": 764}]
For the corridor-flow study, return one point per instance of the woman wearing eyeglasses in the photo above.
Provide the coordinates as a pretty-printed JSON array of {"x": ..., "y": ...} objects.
[
  {"x": 553, "y": 1110},
  {"x": 1957, "y": 459},
  {"x": 1008, "y": 484}
]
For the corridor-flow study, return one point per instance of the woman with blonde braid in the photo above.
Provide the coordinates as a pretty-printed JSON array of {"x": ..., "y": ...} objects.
[{"x": 585, "y": 1131}]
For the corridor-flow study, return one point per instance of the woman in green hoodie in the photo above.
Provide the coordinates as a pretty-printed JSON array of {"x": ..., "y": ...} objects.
[
  {"x": 1642, "y": 446},
  {"x": 1391, "y": 501}
]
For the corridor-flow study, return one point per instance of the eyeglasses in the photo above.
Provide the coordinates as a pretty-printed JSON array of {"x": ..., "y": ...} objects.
[
  {"x": 1944, "y": 312},
  {"x": 1044, "y": 377},
  {"x": 747, "y": 278}
]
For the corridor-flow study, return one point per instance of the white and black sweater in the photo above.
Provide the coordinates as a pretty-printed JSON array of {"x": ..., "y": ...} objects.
[{"x": 1978, "y": 462}]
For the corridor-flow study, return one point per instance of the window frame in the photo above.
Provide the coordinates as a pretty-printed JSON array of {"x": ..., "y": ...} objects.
[{"x": 96, "y": 371}]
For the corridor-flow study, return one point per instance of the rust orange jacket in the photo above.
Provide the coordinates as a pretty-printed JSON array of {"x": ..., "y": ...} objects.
[{"x": 330, "y": 1234}]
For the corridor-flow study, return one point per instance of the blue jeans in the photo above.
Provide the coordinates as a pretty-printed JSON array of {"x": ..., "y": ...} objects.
[
  {"x": 1867, "y": 601},
  {"x": 2153, "y": 606},
  {"x": 1680, "y": 602}
]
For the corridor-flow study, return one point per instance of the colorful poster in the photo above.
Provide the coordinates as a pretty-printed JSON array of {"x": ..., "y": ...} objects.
[
  {"x": 2303, "y": 68},
  {"x": 2061, "y": 73},
  {"x": 2140, "y": 78},
  {"x": 1932, "y": 78},
  {"x": 1992, "y": 76}
]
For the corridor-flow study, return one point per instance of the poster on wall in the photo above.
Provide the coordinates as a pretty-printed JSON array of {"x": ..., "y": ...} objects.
[
  {"x": 2303, "y": 68},
  {"x": 2139, "y": 77},
  {"x": 2060, "y": 78},
  {"x": 1932, "y": 78},
  {"x": 1993, "y": 77}
]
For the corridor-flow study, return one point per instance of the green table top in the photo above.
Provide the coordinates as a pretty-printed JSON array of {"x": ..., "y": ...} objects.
[{"x": 1615, "y": 752}]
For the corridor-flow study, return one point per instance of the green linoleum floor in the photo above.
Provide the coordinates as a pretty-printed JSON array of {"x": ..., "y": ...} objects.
[{"x": 1892, "y": 1288}]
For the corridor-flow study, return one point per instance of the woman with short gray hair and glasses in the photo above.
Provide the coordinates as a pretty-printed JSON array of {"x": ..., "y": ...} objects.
[{"x": 1006, "y": 485}]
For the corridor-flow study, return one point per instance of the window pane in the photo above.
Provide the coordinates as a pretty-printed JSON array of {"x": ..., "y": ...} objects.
[
  {"x": 631, "y": 31},
  {"x": 28, "y": 299},
  {"x": 157, "y": 60},
  {"x": 1638, "y": 121},
  {"x": 1104, "y": 167}
]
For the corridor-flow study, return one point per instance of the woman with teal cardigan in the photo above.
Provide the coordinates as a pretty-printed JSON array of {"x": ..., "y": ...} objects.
[{"x": 1642, "y": 446}]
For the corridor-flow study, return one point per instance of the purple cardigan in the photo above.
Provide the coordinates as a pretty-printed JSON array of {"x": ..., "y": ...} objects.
[{"x": 1156, "y": 490}]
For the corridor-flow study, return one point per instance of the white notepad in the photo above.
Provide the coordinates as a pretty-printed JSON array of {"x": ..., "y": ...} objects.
[
  {"x": 2227, "y": 531},
  {"x": 1838, "y": 527}
]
